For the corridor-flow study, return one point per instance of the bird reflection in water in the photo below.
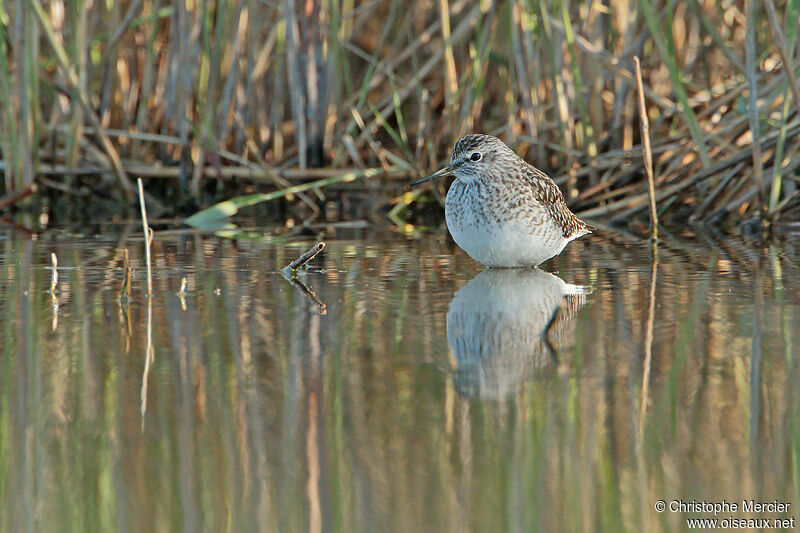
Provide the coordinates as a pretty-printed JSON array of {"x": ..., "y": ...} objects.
[{"x": 505, "y": 325}]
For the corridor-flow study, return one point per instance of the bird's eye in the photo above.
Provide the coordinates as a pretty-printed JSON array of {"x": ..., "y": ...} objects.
[{"x": 476, "y": 156}]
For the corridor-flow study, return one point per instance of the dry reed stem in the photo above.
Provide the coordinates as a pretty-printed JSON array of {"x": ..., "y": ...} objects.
[
  {"x": 148, "y": 238},
  {"x": 450, "y": 77},
  {"x": 644, "y": 122}
]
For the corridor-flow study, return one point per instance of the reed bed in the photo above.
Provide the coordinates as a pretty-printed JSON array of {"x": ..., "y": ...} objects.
[{"x": 209, "y": 100}]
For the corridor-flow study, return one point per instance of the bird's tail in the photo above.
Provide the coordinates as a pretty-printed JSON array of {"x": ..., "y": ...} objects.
[{"x": 585, "y": 228}]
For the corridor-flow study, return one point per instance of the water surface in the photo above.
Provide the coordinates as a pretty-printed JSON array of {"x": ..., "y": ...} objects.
[{"x": 401, "y": 388}]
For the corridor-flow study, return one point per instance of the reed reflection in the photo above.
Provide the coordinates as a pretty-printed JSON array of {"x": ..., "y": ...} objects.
[{"x": 506, "y": 325}]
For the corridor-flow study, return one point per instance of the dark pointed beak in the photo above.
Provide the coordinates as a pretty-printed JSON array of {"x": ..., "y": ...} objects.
[{"x": 438, "y": 174}]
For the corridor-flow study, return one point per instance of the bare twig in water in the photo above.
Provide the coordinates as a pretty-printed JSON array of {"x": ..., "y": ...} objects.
[
  {"x": 290, "y": 273},
  {"x": 54, "y": 276},
  {"x": 182, "y": 293},
  {"x": 53, "y": 283},
  {"x": 149, "y": 353},
  {"x": 148, "y": 238},
  {"x": 647, "y": 151},
  {"x": 306, "y": 257}
]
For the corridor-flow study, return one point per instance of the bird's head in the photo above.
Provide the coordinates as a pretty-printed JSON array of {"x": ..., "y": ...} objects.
[{"x": 474, "y": 156}]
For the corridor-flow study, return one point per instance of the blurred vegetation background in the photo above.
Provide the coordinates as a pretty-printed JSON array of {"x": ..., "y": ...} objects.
[{"x": 351, "y": 99}]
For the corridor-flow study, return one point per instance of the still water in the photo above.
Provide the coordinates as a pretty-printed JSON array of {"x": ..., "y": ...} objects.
[{"x": 400, "y": 388}]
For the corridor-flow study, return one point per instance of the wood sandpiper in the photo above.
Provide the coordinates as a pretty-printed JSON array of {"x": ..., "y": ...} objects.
[{"x": 502, "y": 211}]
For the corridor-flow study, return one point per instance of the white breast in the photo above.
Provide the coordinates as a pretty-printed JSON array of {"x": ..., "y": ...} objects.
[{"x": 491, "y": 238}]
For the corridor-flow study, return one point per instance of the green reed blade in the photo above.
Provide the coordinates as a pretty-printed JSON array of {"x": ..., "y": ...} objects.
[{"x": 228, "y": 208}]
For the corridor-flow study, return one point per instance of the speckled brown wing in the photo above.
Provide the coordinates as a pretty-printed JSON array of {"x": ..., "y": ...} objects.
[{"x": 549, "y": 196}]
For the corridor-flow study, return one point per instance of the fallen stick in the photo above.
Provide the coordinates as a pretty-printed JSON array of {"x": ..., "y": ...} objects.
[
  {"x": 290, "y": 274},
  {"x": 306, "y": 257}
]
